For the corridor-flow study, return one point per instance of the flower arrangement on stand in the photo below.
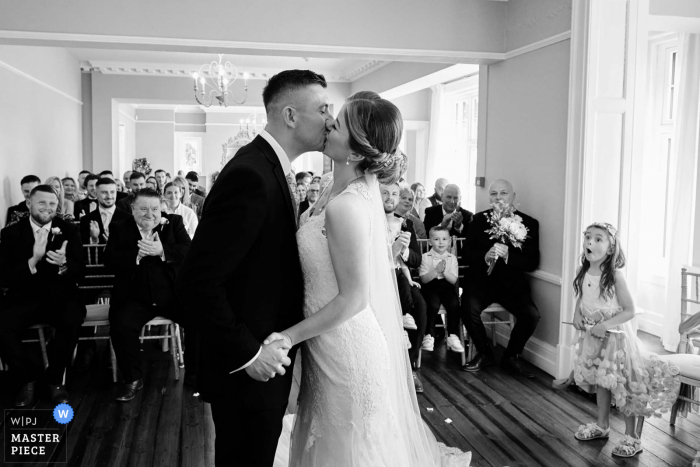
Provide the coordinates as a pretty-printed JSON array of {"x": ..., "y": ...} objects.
[
  {"x": 506, "y": 227},
  {"x": 141, "y": 165}
]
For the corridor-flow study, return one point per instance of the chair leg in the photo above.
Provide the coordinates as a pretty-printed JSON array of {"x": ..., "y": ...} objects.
[
  {"x": 165, "y": 335},
  {"x": 143, "y": 331},
  {"x": 462, "y": 341},
  {"x": 114, "y": 361},
  {"x": 178, "y": 341},
  {"x": 173, "y": 351},
  {"x": 75, "y": 352},
  {"x": 493, "y": 334},
  {"x": 674, "y": 412},
  {"x": 420, "y": 354},
  {"x": 42, "y": 342}
]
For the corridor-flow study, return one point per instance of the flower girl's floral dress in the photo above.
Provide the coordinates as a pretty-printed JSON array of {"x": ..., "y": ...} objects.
[{"x": 641, "y": 384}]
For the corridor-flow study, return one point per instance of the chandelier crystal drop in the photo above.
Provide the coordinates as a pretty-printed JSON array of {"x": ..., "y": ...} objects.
[{"x": 213, "y": 82}]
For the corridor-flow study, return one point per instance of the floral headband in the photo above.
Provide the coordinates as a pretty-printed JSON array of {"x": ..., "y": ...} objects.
[
  {"x": 388, "y": 158},
  {"x": 612, "y": 231}
]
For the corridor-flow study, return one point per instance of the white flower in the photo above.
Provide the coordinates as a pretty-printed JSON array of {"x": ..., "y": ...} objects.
[
  {"x": 164, "y": 221},
  {"x": 56, "y": 231}
]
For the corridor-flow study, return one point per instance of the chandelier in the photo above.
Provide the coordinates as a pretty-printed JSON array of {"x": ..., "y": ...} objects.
[
  {"x": 245, "y": 132},
  {"x": 212, "y": 83}
]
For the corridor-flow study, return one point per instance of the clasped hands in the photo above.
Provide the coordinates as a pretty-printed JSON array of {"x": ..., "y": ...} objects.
[
  {"x": 402, "y": 242},
  {"x": 599, "y": 330},
  {"x": 272, "y": 359},
  {"x": 455, "y": 217},
  {"x": 498, "y": 250},
  {"x": 152, "y": 247}
]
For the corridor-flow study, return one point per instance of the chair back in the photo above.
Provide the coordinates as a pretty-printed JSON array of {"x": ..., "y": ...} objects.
[
  {"x": 98, "y": 281},
  {"x": 690, "y": 305}
]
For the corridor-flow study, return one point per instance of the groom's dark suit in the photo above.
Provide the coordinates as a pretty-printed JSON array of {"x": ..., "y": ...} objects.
[{"x": 242, "y": 280}]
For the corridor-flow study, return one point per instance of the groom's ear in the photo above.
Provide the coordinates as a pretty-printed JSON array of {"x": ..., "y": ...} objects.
[{"x": 289, "y": 114}]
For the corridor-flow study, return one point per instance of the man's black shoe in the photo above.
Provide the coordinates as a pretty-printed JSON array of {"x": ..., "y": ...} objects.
[
  {"x": 58, "y": 393},
  {"x": 128, "y": 391},
  {"x": 482, "y": 360},
  {"x": 515, "y": 366},
  {"x": 25, "y": 396}
]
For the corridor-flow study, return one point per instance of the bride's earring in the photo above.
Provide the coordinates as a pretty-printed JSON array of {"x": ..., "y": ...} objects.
[{"x": 347, "y": 162}]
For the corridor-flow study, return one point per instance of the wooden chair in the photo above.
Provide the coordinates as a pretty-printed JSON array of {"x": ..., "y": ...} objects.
[
  {"x": 687, "y": 360},
  {"x": 98, "y": 315},
  {"x": 494, "y": 310},
  {"x": 172, "y": 333},
  {"x": 455, "y": 248}
]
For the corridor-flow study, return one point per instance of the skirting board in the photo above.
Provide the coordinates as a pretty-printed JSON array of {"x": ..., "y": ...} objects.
[{"x": 540, "y": 354}]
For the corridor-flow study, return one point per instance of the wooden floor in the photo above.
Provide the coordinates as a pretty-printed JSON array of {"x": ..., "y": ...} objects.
[{"x": 504, "y": 421}]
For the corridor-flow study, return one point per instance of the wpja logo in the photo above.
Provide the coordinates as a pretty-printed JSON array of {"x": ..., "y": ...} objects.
[{"x": 36, "y": 435}]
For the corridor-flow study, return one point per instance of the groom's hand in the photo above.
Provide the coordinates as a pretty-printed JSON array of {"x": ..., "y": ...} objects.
[{"x": 271, "y": 361}]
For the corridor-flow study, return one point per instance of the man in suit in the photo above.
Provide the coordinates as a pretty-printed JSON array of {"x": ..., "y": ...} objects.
[
  {"x": 109, "y": 174},
  {"x": 137, "y": 181},
  {"x": 94, "y": 227},
  {"x": 86, "y": 206},
  {"x": 27, "y": 184},
  {"x": 436, "y": 198},
  {"x": 506, "y": 285},
  {"x": 406, "y": 247},
  {"x": 193, "y": 181},
  {"x": 145, "y": 252},
  {"x": 41, "y": 259},
  {"x": 127, "y": 182},
  {"x": 82, "y": 190},
  {"x": 449, "y": 214},
  {"x": 311, "y": 198},
  {"x": 244, "y": 284}
]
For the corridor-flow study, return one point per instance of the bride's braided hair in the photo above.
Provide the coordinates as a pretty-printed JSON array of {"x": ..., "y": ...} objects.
[{"x": 375, "y": 126}]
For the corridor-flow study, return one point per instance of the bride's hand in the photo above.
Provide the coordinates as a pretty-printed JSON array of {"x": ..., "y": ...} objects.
[{"x": 279, "y": 336}]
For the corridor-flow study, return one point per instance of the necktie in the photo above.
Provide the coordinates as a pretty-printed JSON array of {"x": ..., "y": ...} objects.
[
  {"x": 291, "y": 182},
  {"x": 105, "y": 221},
  {"x": 40, "y": 231}
]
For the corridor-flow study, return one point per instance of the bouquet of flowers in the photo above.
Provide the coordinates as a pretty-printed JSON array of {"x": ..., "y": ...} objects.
[
  {"x": 506, "y": 226},
  {"x": 141, "y": 165}
]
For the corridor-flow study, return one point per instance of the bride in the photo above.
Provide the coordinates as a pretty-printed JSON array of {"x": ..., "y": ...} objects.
[{"x": 357, "y": 403}]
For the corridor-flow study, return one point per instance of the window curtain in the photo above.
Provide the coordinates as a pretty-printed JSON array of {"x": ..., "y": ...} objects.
[
  {"x": 682, "y": 183},
  {"x": 437, "y": 136}
]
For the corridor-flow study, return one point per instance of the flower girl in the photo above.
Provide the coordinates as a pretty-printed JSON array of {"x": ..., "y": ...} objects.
[{"x": 610, "y": 359}]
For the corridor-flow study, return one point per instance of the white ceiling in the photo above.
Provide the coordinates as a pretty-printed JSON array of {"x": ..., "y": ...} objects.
[{"x": 183, "y": 63}]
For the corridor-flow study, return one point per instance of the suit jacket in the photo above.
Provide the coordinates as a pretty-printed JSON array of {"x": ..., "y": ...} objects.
[
  {"x": 125, "y": 203},
  {"x": 21, "y": 207},
  {"x": 434, "y": 201},
  {"x": 244, "y": 283},
  {"x": 508, "y": 277},
  {"x": 118, "y": 216},
  {"x": 121, "y": 195},
  {"x": 152, "y": 280},
  {"x": 17, "y": 247},
  {"x": 434, "y": 215},
  {"x": 414, "y": 255},
  {"x": 303, "y": 207},
  {"x": 196, "y": 204},
  {"x": 83, "y": 206}
]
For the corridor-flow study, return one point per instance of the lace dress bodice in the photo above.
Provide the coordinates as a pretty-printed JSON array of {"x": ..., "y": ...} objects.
[{"x": 593, "y": 305}]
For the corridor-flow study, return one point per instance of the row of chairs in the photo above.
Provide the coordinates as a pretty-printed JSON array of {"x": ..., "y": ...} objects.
[
  {"x": 492, "y": 316},
  {"x": 96, "y": 284}
]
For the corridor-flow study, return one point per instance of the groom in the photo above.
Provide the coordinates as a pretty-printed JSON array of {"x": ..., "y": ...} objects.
[{"x": 242, "y": 278}]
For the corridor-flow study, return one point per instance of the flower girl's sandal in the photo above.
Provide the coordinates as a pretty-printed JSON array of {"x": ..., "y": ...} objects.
[
  {"x": 628, "y": 447},
  {"x": 590, "y": 432}
]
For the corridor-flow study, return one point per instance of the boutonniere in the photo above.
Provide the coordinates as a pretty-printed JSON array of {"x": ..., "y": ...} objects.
[
  {"x": 163, "y": 222},
  {"x": 56, "y": 231}
]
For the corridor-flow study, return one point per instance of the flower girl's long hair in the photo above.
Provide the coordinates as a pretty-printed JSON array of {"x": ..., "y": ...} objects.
[{"x": 614, "y": 261}]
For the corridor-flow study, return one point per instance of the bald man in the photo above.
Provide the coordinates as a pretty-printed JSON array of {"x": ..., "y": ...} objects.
[
  {"x": 440, "y": 185},
  {"x": 449, "y": 214},
  {"x": 507, "y": 284}
]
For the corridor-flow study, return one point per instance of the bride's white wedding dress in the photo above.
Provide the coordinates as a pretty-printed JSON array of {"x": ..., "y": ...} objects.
[{"x": 357, "y": 405}]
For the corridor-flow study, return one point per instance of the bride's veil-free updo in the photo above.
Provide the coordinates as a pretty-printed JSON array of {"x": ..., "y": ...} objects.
[{"x": 375, "y": 126}]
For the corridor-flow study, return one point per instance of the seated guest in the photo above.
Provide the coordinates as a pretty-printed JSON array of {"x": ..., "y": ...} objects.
[
  {"x": 145, "y": 252},
  {"x": 506, "y": 285},
  {"x": 316, "y": 179},
  {"x": 192, "y": 178},
  {"x": 311, "y": 198},
  {"x": 16, "y": 212},
  {"x": 449, "y": 214},
  {"x": 422, "y": 203},
  {"x": 405, "y": 248},
  {"x": 41, "y": 259},
  {"x": 65, "y": 206},
  {"x": 439, "y": 273},
  {"x": 301, "y": 193},
  {"x": 174, "y": 205},
  {"x": 88, "y": 204},
  {"x": 137, "y": 181},
  {"x": 120, "y": 187},
  {"x": 152, "y": 183},
  {"x": 440, "y": 185},
  {"x": 109, "y": 174},
  {"x": 404, "y": 208},
  {"x": 303, "y": 177},
  {"x": 70, "y": 189},
  {"x": 94, "y": 227},
  {"x": 127, "y": 182},
  {"x": 194, "y": 202},
  {"x": 168, "y": 179},
  {"x": 161, "y": 179},
  {"x": 82, "y": 189}
]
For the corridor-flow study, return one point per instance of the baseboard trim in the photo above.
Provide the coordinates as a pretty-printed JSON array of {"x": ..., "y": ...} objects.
[{"x": 537, "y": 352}]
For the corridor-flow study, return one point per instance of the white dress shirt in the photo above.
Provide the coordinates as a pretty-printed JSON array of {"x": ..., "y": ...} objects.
[
  {"x": 286, "y": 169},
  {"x": 432, "y": 258},
  {"x": 188, "y": 217}
]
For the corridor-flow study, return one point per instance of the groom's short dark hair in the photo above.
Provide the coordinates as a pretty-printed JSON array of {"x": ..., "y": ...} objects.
[{"x": 290, "y": 80}]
